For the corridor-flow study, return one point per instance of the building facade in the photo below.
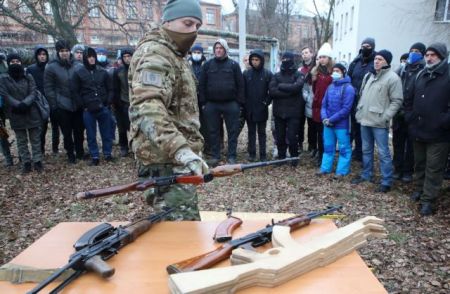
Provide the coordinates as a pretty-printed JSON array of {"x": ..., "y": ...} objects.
[{"x": 395, "y": 25}]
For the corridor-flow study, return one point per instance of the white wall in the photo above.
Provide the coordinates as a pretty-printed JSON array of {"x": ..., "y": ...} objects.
[{"x": 395, "y": 25}]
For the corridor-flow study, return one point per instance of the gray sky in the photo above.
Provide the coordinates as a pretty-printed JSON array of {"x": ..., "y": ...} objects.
[{"x": 306, "y": 6}]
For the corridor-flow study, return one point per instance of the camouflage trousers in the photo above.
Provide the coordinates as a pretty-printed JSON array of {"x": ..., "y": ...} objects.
[
  {"x": 181, "y": 197},
  {"x": 33, "y": 136}
]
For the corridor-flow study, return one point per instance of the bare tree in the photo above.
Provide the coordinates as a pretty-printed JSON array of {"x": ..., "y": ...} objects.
[
  {"x": 323, "y": 22},
  {"x": 57, "y": 18}
]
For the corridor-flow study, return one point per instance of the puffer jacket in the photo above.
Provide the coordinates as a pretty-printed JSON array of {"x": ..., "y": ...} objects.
[
  {"x": 37, "y": 69},
  {"x": 15, "y": 92},
  {"x": 285, "y": 89},
  {"x": 381, "y": 97},
  {"x": 57, "y": 79},
  {"x": 337, "y": 103}
]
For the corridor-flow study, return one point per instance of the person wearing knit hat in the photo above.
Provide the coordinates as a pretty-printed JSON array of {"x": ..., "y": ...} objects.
[
  {"x": 403, "y": 157},
  {"x": 321, "y": 79},
  {"x": 221, "y": 94},
  {"x": 335, "y": 114},
  {"x": 381, "y": 98},
  {"x": 164, "y": 116},
  {"x": 64, "y": 108},
  {"x": 428, "y": 117},
  {"x": 358, "y": 68},
  {"x": 19, "y": 91}
]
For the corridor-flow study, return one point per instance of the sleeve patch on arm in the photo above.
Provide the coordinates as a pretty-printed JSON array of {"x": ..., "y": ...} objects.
[{"x": 151, "y": 78}]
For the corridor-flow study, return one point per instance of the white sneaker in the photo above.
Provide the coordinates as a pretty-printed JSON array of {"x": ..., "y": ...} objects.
[{"x": 274, "y": 152}]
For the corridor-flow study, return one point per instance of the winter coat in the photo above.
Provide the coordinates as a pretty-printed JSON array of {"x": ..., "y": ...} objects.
[
  {"x": 319, "y": 87},
  {"x": 381, "y": 97},
  {"x": 14, "y": 92},
  {"x": 257, "y": 97},
  {"x": 307, "y": 92},
  {"x": 337, "y": 103},
  {"x": 427, "y": 107},
  {"x": 285, "y": 89},
  {"x": 221, "y": 81},
  {"x": 92, "y": 85},
  {"x": 357, "y": 69},
  {"x": 37, "y": 70},
  {"x": 120, "y": 86},
  {"x": 57, "y": 79}
]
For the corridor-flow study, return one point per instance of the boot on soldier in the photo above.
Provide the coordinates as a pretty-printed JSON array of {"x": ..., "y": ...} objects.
[{"x": 26, "y": 168}]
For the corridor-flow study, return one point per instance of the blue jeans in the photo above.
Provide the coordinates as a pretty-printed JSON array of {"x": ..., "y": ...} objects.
[
  {"x": 103, "y": 118},
  {"x": 370, "y": 135},
  {"x": 342, "y": 136}
]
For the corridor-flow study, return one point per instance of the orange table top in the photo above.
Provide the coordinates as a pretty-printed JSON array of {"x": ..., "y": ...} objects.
[{"x": 140, "y": 266}]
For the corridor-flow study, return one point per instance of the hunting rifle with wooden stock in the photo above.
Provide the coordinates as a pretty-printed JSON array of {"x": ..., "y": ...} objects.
[
  {"x": 217, "y": 172},
  {"x": 254, "y": 240}
]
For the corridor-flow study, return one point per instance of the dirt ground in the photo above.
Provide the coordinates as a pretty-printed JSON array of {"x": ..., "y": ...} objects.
[{"x": 414, "y": 258}]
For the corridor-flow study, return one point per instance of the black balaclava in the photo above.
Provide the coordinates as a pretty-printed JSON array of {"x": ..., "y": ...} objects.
[{"x": 15, "y": 71}]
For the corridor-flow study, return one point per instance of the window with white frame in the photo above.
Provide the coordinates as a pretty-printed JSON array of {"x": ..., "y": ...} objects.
[
  {"x": 442, "y": 12},
  {"x": 48, "y": 9},
  {"x": 346, "y": 23},
  {"x": 131, "y": 9},
  {"x": 111, "y": 8},
  {"x": 211, "y": 16},
  {"x": 336, "y": 33},
  {"x": 94, "y": 12},
  {"x": 23, "y": 8},
  {"x": 352, "y": 13},
  {"x": 96, "y": 40}
]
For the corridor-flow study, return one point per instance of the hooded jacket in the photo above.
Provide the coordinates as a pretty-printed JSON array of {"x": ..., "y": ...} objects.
[
  {"x": 337, "y": 103},
  {"x": 57, "y": 84},
  {"x": 16, "y": 92},
  {"x": 37, "y": 69},
  {"x": 256, "y": 81},
  {"x": 427, "y": 106},
  {"x": 285, "y": 89},
  {"x": 221, "y": 80},
  {"x": 91, "y": 84},
  {"x": 358, "y": 68}
]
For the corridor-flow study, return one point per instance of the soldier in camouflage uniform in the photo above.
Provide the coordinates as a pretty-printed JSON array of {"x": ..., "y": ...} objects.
[{"x": 165, "y": 134}]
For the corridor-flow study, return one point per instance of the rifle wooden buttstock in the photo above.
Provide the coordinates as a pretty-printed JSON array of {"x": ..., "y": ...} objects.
[
  {"x": 225, "y": 229},
  {"x": 226, "y": 170},
  {"x": 200, "y": 262},
  {"x": 107, "y": 191}
]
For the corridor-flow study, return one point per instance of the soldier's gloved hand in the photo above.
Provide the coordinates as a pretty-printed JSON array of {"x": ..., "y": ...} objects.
[{"x": 192, "y": 161}]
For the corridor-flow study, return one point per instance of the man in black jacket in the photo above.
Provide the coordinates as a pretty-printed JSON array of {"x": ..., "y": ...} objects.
[
  {"x": 221, "y": 90},
  {"x": 37, "y": 71},
  {"x": 403, "y": 159},
  {"x": 257, "y": 100},
  {"x": 121, "y": 100},
  {"x": 427, "y": 111},
  {"x": 285, "y": 89},
  {"x": 93, "y": 86},
  {"x": 57, "y": 81},
  {"x": 361, "y": 65}
]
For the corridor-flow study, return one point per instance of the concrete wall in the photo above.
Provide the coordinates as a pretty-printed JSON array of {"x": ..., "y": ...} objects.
[{"x": 395, "y": 25}]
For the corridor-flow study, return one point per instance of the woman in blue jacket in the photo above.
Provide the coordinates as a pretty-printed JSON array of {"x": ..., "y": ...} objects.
[{"x": 335, "y": 113}]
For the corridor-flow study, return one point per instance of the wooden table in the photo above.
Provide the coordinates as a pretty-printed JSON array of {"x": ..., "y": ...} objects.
[{"x": 140, "y": 266}]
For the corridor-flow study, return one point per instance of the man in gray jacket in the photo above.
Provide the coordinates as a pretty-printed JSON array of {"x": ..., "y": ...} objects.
[
  {"x": 63, "y": 105},
  {"x": 381, "y": 97}
]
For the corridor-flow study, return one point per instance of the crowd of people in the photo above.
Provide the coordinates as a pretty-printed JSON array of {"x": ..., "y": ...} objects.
[{"x": 342, "y": 109}]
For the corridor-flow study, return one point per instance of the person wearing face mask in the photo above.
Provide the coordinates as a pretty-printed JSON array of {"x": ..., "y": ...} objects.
[
  {"x": 427, "y": 112},
  {"x": 197, "y": 59},
  {"x": 358, "y": 68},
  {"x": 336, "y": 106},
  {"x": 321, "y": 79},
  {"x": 285, "y": 90},
  {"x": 63, "y": 105},
  {"x": 221, "y": 94},
  {"x": 121, "y": 99},
  {"x": 163, "y": 108},
  {"x": 19, "y": 92},
  {"x": 37, "y": 71},
  {"x": 381, "y": 97},
  {"x": 403, "y": 157},
  {"x": 403, "y": 62},
  {"x": 93, "y": 88}
]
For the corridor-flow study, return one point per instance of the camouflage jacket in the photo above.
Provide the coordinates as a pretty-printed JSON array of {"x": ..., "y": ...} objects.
[{"x": 163, "y": 101}]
